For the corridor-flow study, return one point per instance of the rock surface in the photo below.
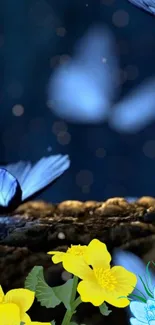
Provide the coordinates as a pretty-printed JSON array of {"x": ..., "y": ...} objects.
[{"x": 37, "y": 227}]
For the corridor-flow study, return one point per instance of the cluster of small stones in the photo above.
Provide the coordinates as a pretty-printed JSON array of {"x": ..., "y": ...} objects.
[{"x": 37, "y": 227}]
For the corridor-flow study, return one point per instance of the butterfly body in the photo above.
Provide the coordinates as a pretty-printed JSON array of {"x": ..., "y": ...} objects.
[{"x": 21, "y": 181}]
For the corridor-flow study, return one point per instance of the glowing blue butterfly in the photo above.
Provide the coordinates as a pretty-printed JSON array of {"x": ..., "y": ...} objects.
[
  {"x": 147, "y": 5},
  {"x": 86, "y": 88},
  {"x": 134, "y": 264},
  {"x": 20, "y": 181}
]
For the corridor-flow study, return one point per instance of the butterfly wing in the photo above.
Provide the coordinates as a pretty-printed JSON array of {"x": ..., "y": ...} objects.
[
  {"x": 83, "y": 89},
  {"x": 134, "y": 264},
  {"x": 136, "y": 110},
  {"x": 10, "y": 191},
  {"x": 30, "y": 178},
  {"x": 44, "y": 172},
  {"x": 147, "y": 5},
  {"x": 19, "y": 170}
]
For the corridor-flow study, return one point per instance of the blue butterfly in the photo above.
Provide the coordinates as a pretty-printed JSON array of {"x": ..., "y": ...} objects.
[
  {"x": 21, "y": 181},
  {"x": 147, "y": 5}
]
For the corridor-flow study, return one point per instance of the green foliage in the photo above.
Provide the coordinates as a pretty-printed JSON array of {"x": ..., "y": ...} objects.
[
  {"x": 146, "y": 288},
  {"x": 47, "y": 296},
  {"x": 53, "y": 322},
  {"x": 64, "y": 292},
  {"x": 32, "y": 278},
  {"x": 44, "y": 293},
  {"x": 104, "y": 309}
]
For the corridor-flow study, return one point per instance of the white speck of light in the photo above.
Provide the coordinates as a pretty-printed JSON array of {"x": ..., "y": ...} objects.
[
  {"x": 104, "y": 60},
  {"x": 49, "y": 149},
  {"x": 61, "y": 235}
]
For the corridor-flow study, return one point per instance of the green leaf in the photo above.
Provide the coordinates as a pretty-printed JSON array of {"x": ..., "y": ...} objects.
[
  {"x": 145, "y": 287},
  {"x": 32, "y": 278},
  {"x": 138, "y": 297},
  {"x": 148, "y": 273},
  {"x": 45, "y": 294},
  {"x": 22, "y": 323},
  {"x": 64, "y": 292},
  {"x": 135, "y": 289},
  {"x": 104, "y": 309},
  {"x": 53, "y": 322}
]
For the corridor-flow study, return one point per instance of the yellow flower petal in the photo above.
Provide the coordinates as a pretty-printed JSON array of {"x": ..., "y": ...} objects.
[
  {"x": 9, "y": 314},
  {"x": 1, "y": 294},
  {"x": 125, "y": 283},
  {"x": 40, "y": 323},
  {"x": 77, "y": 250},
  {"x": 77, "y": 266},
  {"x": 91, "y": 292},
  {"x": 23, "y": 298},
  {"x": 97, "y": 254},
  {"x": 126, "y": 280},
  {"x": 26, "y": 319},
  {"x": 58, "y": 256},
  {"x": 115, "y": 300}
]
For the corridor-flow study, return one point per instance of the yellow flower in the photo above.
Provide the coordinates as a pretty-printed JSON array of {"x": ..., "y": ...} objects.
[
  {"x": 40, "y": 323},
  {"x": 13, "y": 307},
  {"x": 74, "y": 250},
  {"x": 100, "y": 282}
]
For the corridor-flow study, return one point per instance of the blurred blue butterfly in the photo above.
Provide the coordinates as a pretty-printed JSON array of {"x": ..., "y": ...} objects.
[
  {"x": 147, "y": 5},
  {"x": 21, "y": 181}
]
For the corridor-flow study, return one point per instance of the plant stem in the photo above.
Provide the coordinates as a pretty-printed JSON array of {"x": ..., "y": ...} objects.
[
  {"x": 67, "y": 318},
  {"x": 69, "y": 313},
  {"x": 74, "y": 288},
  {"x": 76, "y": 303}
]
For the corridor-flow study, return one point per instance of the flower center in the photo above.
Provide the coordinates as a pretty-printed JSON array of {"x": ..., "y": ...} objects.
[
  {"x": 77, "y": 250},
  {"x": 105, "y": 278}
]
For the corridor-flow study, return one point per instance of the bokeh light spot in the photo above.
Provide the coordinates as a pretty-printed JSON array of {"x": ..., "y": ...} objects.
[
  {"x": 120, "y": 18},
  {"x": 84, "y": 178},
  {"x": 49, "y": 148},
  {"x": 64, "y": 138},
  {"x": 18, "y": 110},
  {"x": 100, "y": 152},
  {"x": 104, "y": 60},
  {"x": 59, "y": 126},
  {"x": 149, "y": 149},
  {"x": 61, "y": 31},
  {"x": 61, "y": 235}
]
